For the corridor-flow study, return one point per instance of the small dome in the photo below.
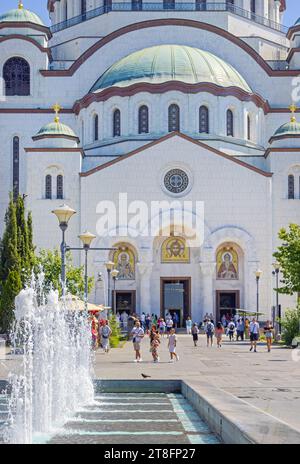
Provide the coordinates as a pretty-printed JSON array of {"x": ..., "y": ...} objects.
[
  {"x": 21, "y": 15},
  {"x": 165, "y": 63},
  {"x": 53, "y": 129},
  {"x": 290, "y": 128}
]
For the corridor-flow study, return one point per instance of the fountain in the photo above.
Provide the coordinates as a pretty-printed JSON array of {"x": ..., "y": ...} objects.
[{"x": 55, "y": 376}]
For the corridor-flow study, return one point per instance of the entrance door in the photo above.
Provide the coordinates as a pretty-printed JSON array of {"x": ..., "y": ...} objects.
[
  {"x": 124, "y": 301},
  {"x": 228, "y": 301},
  {"x": 176, "y": 298}
]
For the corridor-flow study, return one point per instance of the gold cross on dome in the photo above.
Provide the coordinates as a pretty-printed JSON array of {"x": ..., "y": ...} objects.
[
  {"x": 56, "y": 108},
  {"x": 20, "y": 6},
  {"x": 293, "y": 109}
]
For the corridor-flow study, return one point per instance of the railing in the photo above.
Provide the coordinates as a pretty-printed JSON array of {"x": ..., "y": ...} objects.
[{"x": 198, "y": 5}]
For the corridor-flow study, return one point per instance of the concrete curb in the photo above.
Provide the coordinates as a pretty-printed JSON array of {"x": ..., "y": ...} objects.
[{"x": 235, "y": 421}]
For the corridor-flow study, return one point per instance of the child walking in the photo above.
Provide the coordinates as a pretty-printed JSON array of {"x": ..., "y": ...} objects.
[
  {"x": 154, "y": 348},
  {"x": 172, "y": 345},
  {"x": 195, "y": 333}
]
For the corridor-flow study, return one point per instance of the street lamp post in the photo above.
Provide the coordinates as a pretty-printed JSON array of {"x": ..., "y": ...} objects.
[
  {"x": 276, "y": 271},
  {"x": 109, "y": 267},
  {"x": 86, "y": 239},
  {"x": 114, "y": 274},
  {"x": 63, "y": 214},
  {"x": 258, "y": 274}
]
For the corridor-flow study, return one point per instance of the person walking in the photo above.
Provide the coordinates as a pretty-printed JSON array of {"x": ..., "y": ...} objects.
[
  {"x": 137, "y": 334},
  {"x": 209, "y": 330},
  {"x": 195, "y": 333},
  {"x": 143, "y": 320},
  {"x": 162, "y": 327},
  {"x": 268, "y": 331},
  {"x": 240, "y": 329},
  {"x": 169, "y": 323},
  {"x": 172, "y": 345},
  {"x": 219, "y": 334},
  {"x": 148, "y": 322},
  {"x": 231, "y": 330},
  {"x": 175, "y": 320},
  {"x": 188, "y": 324},
  {"x": 105, "y": 332},
  {"x": 254, "y": 334},
  {"x": 95, "y": 334},
  {"x": 154, "y": 347}
]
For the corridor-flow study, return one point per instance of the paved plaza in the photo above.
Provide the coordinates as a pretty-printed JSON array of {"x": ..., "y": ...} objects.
[
  {"x": 232, "y": 377},
  {"x": 269, "y": 381}
]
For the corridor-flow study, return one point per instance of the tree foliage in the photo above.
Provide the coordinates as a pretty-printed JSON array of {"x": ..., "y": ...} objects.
[
  {"x": 288, "y": 257},
  {"x": 16, "y": 257},
  {"x": 291, "y": 325},
  {"x": 50, "y": 263}
]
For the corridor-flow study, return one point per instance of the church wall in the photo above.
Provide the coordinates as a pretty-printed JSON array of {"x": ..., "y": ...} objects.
[
  {"x": 223, "y": 186},
  {"x": 107, "y": 23},
  {"x": 45, "y": 225},
  {"x": 285, "y": 211}
]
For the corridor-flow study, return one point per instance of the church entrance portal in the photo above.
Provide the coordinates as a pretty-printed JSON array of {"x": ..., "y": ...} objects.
[
  {"x": 176, "y": 297},
  {"x": 228, "y": 301},
  {"x": 124, "y": 301}
]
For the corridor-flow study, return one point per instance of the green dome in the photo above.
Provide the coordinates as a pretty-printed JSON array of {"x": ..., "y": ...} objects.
[
  {"x": 21, "y": 15},
  {"x": 165, "y": 63},
  {"x": 56, "y": 129},
  {"x": 290, "y": 128}
]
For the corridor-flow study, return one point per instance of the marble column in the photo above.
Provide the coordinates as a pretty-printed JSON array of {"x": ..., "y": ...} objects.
[
  {"x": 208, "y": 272},
  {"x": 144, "y": 273}
]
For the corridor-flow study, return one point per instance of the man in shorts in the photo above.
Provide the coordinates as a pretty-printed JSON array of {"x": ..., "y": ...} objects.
[
  {"x": 254, "y": 334},
  {"x": 137, "y": 334}
]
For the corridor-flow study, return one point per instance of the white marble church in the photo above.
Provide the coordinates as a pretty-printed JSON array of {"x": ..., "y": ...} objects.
[{"x": 164, "y": 101}]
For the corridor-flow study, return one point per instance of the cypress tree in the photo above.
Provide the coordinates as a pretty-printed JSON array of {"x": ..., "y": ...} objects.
[{"x": 16, "y": 257}]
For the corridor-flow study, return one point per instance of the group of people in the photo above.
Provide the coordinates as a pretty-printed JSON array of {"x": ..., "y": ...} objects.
[
  {"x": 240, "y": 328},
  {"x": 101, "y": 333},
  {"x": 156, "y": 328},
  {"x": 138, "y": 333}
]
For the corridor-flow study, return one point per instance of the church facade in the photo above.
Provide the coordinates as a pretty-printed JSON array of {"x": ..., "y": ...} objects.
[{"x": 163, "y": 102}]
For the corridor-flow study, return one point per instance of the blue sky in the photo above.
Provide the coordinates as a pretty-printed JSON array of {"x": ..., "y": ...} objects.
[{"x": 40, "y": 7}]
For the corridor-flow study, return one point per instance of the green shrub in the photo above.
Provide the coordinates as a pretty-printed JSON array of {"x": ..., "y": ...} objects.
[
  {"x": 116, "y": 332},
  {"x": 290, "y": 325}
]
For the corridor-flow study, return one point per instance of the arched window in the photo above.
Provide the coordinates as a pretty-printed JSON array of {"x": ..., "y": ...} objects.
[
  {"x": 137, "y": 5},
  {"x": 16, "y": 75},
  {"x": 143, "y": 120},
  {"x": 48, "y": 187},
  {"x": 169, "y": 4},
  {"x": 229, "y": 123},
  {"x": 96, "y": 127},
  {"x": 174, "y": 118},
  {"x": 201, "y": 5},
  {"x": 253, "y": 6},
  {"x": 16, "y": 167},
  {"x": 248, "y": 127},
  {"x": 291, "y": 187},
  {"x": 117, "y": 123},
  {"x": 203, "y": 119},
  {"x": 59, "y": 187}
]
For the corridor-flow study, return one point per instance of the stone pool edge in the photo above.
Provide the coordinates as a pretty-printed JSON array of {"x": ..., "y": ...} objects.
[{"x": 233, "y": 420}]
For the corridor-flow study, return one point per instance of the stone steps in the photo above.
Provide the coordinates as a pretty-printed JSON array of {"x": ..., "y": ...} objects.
[{"x": 136, "y": 419}]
